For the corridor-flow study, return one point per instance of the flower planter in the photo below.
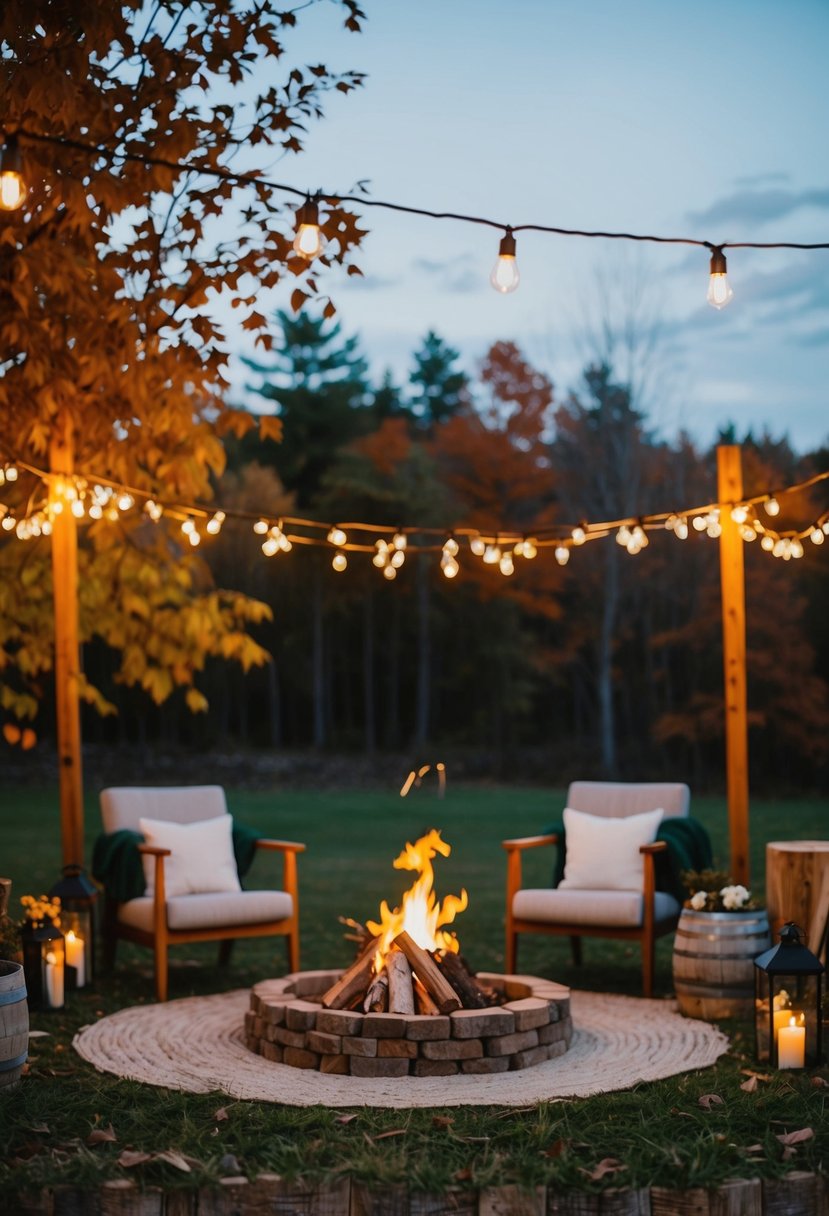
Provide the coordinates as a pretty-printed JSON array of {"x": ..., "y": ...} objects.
[{"x": 713, "y": 962}]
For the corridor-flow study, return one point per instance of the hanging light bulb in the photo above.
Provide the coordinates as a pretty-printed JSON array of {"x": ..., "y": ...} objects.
[
  {"x": 505, "y": 277},
  {"x": 449, "y": 566},
  {"x": 719, "y": 293},
  {"x": 739, "y": 513},
  {"x": 796, "y": 546},
  {"x": 681, "y": 528},
  {"x": 771, "y": 506},
  {"x": 816, "y": 535},
  {"x": 397, "y": 559},
  {"x": 78, "y": 509},
  {"x": 125, "y": 501},
  {"x": 623, "y": 536},
  {"x": 339, "y": 561},
  {"x": 530, "y": 550},
  {"x": 506, "y": 564},
  {"x": 308, "y": 241},
  {"x": 450, "y": 547},
  {"x": 12, "y": 186},
  {"x": 767, "y": 543},
  {"x": 153, "y": 509},
  {"x": 188, "y": 527},
  {"x": 260, "y": 527},
  {"x": 492, "y": 554},
  {"x": 214, "y": 525},
  {"x": 477, "y": 546},
  {"x": 337, "y": 537},
  {"x": 11, "y": 472},
  {"x": 747, "y": 532},
  {"x": 389, "y": 572},
  {"x": 270, "y": 546},
  {"x": 579, "y": 536},
  {"x": 96, "y": 511},
  {"x": 399, "y": 541},
  {"x": 562, "y": 555}
]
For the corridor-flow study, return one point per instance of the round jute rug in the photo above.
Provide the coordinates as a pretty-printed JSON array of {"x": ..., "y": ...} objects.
[{"x": 197, "y": 1045}]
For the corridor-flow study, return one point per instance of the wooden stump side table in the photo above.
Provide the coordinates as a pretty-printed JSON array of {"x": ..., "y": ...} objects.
[{"x": 797, "y": 888}]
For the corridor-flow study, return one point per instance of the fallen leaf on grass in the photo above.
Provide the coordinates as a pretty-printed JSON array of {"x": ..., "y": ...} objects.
[
  {"x": 220, "y": 1114},
  {"x": 761, "y": 1076},
  {"x": 101, "y": 1135},
  {"x": 39, "y": 1034},
  {"x": 463, "y": 1175},
  {"x": 442, "y": 1120},
  {"x": 345, "y": 1119},
  {"x": 557, "y": 1148},
  {"x": 818, "y": 1081},
  {"x": 709, "y": 1100},
  {"x": 608, "y": 1165},
  {"x": 40, "y": 1130},
  {"x": 798, "y": 1137},
  {"x": 130, "y": 1157},
  {"x": 400, "y": 1131},
  {"x": 750, "y": 1085},
  {"x": 755, "y": 1148},
  {"x": 173, "y": 1158}
]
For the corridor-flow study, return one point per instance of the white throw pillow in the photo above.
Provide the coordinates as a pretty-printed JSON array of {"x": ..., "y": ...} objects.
[
  {"x": 201, "y": 855},
  {"x": 602, "y": 854}
]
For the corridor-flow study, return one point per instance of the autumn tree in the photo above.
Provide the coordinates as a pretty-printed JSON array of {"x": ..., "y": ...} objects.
[{"x": 134, "y": 123}]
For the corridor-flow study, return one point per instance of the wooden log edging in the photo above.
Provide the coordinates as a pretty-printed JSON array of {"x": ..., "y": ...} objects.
[
  {"x": 795, "y": 1194},
  {"x": 532, "y": 1025}
]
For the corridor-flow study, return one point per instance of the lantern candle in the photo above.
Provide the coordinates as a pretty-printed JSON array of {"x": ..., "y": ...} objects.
[
  {"x": 54, "y": 980},
  {"x": 76, "y": 957},
  {"x": 781, "y": 1018},
  {"x": 791, "y": 1045}
]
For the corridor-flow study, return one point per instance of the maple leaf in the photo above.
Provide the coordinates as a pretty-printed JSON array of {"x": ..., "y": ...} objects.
[{"x": 709, "y": 1100}]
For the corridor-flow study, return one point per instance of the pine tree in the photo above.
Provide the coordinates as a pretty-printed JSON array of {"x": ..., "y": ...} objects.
[{"x": 440, "y": 389}]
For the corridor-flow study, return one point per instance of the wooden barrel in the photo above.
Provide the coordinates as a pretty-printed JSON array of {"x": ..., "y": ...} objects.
[
  {"x": 714, "y": 956},
  {"x": 14, "y": 1024}
]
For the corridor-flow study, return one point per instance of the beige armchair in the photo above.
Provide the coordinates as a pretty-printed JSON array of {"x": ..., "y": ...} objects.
[
  {"x": 633, "y": 913},
  {"x": 173, "y": 910}
]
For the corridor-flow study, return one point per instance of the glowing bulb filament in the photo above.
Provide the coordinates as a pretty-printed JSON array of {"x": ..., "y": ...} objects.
[
  {"x": 308, "y": 241},
  {"x": 719, "y": 292}
]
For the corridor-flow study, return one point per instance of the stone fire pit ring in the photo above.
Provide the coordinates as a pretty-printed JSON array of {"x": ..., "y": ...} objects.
[{"x": 287, "y": 1025}]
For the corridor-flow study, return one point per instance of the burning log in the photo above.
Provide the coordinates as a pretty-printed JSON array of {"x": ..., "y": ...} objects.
[
  {"x": 456, "y": 970},
  {"x": 353, "y": 982},
  {"x": 377, "y": 997},
  {"x": 401, "y": 991},
  {"x": 429, "y": 974},
  {"x": 423, "y": 1002}
]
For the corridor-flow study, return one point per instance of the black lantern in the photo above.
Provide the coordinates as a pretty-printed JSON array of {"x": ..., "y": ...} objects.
[
  {"x": 44, "y": 964},
  {"x": 78, "y": 897},
  {"x": 788, "y": 1003}
]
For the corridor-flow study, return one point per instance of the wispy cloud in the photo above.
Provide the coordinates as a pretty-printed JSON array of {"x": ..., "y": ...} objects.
[
  {"x": 753, "y": 206},
  {"x": 369, "y": 282},
  {"x": 460, "y": 275}
]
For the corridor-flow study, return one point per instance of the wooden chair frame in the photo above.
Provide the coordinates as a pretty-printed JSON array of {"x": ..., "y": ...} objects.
[
  {"x": 645, "y": 934},
  {"x": 161, "y": 936}
]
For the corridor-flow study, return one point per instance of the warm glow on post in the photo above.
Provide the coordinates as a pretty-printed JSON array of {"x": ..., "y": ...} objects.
[
  {"x": 719, "y": 293},
  {"x": 505, "y": 276},
  {"x": 308, "y": 241},
  {"x": 12, "y": 186}
]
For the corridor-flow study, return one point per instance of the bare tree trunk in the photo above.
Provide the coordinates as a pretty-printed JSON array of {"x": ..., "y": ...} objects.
[
  {"x": 424, "y": 653},
  {"x": 318, "y": 659},
  {"x": 369, "y": 711},
  {"x": 604, "y": 655},
  {"x": 274, "y": 709}
]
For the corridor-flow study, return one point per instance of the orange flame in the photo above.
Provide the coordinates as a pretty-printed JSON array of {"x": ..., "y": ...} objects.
[{"x": 422, "y": 915}]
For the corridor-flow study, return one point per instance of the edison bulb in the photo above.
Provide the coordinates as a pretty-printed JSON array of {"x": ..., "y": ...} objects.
[
  {"x": 562, "y": 555},
  {"x": 12, "y": 186},
  {"x": 505, "y": 276},
  {"x": 308, "y": 241},
  {"x": 336, "y": 536},
  {"x": 449, "y": 567},
  {"x": 771, "y": 506},
  {"x": 719, "y": 293},
  {"x": 816, "y": 535},
  {"x": 339, "y": 561},
  {"x": 389, "y": 572}
]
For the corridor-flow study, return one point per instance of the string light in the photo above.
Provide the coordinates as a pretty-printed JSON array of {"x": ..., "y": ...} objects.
[
  {"x": 309, "y": 241},
  {"x": 97, "y": 499},
  {"x": 12, "y": 186},
  {"x": 505, "y": 275},
  {"x": 719, "y": 293}
]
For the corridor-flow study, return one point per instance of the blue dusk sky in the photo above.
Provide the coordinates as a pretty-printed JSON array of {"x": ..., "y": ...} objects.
[{"x": 705, "y": 119}]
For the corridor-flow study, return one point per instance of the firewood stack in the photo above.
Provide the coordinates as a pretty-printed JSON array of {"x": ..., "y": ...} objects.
[{"x": 412, "y": 980}]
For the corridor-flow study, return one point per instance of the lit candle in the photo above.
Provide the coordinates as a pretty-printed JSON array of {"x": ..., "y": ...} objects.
[
  {"x": 54, "y": 981},
  {"x": 791, "y": 1045},
  {"x": 76, "y": 957}
]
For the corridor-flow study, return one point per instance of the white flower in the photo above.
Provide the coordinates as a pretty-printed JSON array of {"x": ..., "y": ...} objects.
[
  {"x": 734, "y": 897},
  {"x": 698, "y": 900}
]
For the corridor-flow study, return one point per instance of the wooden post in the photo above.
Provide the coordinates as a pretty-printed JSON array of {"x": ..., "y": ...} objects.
[
  {"x": 732, "y": 583},
  {"x": 67, "y": 648}
]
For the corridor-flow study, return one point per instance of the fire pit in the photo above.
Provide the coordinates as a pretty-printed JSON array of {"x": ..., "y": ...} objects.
[{"x": 409, "y": 1004}]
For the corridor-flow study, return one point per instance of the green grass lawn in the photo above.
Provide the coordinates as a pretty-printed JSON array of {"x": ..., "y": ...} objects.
[{"x": 658, "y": 1131}]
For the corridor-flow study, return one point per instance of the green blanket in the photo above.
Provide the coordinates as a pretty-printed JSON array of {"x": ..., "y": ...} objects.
[
  {"x": 116, "y": 861},
  {"x": 689, "y": 848}
]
